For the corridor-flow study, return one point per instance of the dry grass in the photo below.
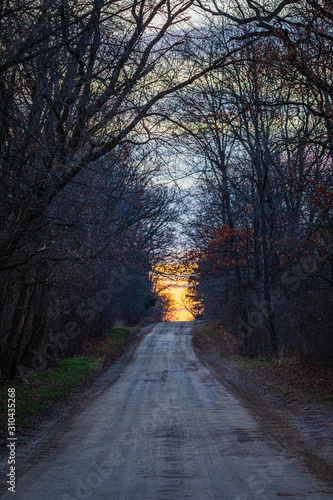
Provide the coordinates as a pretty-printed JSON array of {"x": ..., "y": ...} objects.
[{"x": 291, "y": 381}]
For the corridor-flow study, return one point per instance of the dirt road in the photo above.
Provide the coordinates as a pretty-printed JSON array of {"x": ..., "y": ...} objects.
[{"x": 167, "y": 429}]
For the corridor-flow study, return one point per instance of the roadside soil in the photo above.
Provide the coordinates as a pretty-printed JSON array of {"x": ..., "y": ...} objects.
[
  {"x": 34, "y": 434},
  {"x": 294, "y": 404}
]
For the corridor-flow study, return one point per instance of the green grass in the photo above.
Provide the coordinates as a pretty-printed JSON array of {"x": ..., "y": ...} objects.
[{"x": 35, "y": 394}]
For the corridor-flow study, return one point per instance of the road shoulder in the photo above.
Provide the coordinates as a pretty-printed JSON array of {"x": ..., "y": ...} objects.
[{"x": 304, "y": 430}]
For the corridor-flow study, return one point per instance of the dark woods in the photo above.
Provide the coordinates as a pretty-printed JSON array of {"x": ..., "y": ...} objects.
[
  {"x": 82, "y": 224},
  {"x": 83, "y": 218},
  {"x": 262, "y": 126}
]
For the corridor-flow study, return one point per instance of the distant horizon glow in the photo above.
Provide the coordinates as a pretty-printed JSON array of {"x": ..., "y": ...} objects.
[
  {"x": 173, "y": 285},
  {"x": 178, "y": 312}
]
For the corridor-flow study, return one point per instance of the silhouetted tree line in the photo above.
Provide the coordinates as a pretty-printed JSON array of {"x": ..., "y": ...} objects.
[
  {"x": 82, "y": 223},
  {"x": 259, "y": 131}
]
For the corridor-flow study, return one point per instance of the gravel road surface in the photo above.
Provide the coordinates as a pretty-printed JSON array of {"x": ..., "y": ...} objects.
[{"x": 166, "y": 429}]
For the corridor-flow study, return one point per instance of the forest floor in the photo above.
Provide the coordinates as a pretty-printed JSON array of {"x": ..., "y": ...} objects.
[{"x": 303, "y": 394}]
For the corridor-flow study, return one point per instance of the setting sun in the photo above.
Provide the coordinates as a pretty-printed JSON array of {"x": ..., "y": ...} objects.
[{"x": 172, "y": 282}]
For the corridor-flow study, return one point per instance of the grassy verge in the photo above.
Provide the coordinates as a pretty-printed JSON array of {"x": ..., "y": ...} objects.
[
  {"x": 35, "y": 394},
  {"x": 290, "y": 381},
  {"x": 108, "y": 348}
]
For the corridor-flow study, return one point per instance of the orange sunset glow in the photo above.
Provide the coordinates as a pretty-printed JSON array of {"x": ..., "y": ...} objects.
[{"x": 172, "y": 282}]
